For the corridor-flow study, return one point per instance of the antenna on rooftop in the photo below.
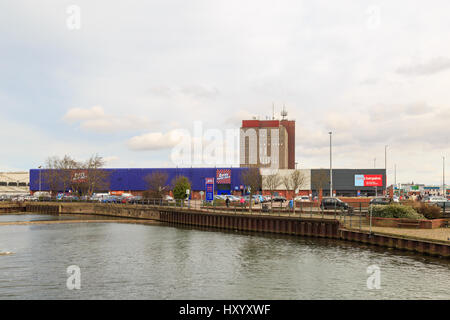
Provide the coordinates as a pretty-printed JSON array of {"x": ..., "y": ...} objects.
[
  {"x": 273, "y": 111},
  {"x": 284, "y": 113}
]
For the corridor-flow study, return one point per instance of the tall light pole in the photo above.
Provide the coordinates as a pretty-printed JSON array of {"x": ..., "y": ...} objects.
[
  {"x": 331, "y": 168},
  {"x": 385, "y": 169},
  {"x": 374, "y": 163},
  {"x": 443, "y": 177},
  {"x": 40, "y": 179},
  {"x": 395, "y": 174}
]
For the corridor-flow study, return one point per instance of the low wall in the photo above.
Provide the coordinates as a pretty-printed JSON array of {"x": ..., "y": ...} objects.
[
  {"x": 104, "y": 209},
  {"x": 401, "y": 243},
  {"x": 245, "y": 222}
]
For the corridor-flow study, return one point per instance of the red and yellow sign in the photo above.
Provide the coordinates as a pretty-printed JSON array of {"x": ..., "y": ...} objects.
[{"x": 223, "y": 176}]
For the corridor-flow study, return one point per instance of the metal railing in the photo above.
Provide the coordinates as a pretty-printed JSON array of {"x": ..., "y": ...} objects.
[{"x": 352, "y": 214}]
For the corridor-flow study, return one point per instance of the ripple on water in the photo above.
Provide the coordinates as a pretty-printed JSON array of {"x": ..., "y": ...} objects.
[{"x": 127, "y": 261}]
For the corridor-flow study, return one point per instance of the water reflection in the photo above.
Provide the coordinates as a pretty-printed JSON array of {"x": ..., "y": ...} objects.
[{"x": 127, "y": 261}]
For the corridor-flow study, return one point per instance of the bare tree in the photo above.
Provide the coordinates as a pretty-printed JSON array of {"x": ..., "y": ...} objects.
[
  {"x": 65, "y": 170},
  {"x": 252, "y": 179},
  {"x": 97, "y": 178},
  {"x": 293, "y": 182},
  {"x": 50, "y": 175},
  {"x": 271, "y": 182},
  {"x": 297, "y": 179},
  {"x": 57, "y": 173},
  {"x": 80, "y": 177},
  {"x": 320, "y": 180},
  {"x": 157, "y": 185}
]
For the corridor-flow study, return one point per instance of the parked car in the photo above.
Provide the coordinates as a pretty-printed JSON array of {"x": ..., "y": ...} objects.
[
  {"x": 260, "y": 198},
  {"x": 380, "y": 201},
  {"x": 110, "y": 199},
  {"x": 279, "y": 199},
  {"x": 332, "y": 203},
  {"x": 168, "y": 198},
  {"x": 31, "y": 198},
  {"x": 302, "y": 198},
  {"x": 255, "y": 199},
  {"x": 67, "y": 197},
  {"x": 439, "y": 201},
  {"x": 233, "y": 198}
]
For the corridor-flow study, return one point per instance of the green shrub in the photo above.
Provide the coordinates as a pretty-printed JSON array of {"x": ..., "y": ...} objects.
[
  {"x": 428, "y": 211},
  {"x": 181, "y": 184},
  {"x": 395, "y": 211}
]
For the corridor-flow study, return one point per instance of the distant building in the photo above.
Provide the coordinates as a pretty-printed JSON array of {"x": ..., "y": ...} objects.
[
  {"x": 267, "y": 144},
  {"x": 14, "y": 183}
]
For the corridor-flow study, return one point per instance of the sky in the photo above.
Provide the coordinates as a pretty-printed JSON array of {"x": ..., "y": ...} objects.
[{"x": 131, "y": 81}]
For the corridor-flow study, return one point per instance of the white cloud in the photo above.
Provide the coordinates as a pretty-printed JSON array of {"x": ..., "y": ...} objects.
[
  {"x": 155, "y": 141},
  {"x": 426, "y": 68},
  {"x": 96, "y": 120},
  {"x": 111, "y": 159},
  {"x": 221, "y": 62},
  {"x": 77, "y": 114}
]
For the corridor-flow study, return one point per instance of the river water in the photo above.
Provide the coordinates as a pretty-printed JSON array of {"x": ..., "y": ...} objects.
[{"x": 133, "y": 261}]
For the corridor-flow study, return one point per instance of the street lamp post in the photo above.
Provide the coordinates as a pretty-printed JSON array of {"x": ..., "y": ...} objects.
[
  {"x": 444, "y": 192},
  {"x": 40, "y": 179},
  {"x": 331, "y": 168},
  {"x": 385, "y": 169}
]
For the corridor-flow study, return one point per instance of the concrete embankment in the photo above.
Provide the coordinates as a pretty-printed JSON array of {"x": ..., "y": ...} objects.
[{"x": 300, "y": 226}]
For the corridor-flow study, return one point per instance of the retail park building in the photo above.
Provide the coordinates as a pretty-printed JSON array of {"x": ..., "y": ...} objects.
[{"x": 268, "y": 145}]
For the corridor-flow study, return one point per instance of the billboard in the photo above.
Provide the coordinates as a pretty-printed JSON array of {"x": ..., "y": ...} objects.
[
  {"x": 79, "y": 176},
  {"x": 368, "y": 180},
  {"x": 209, "y": 185},
  {"x": 223, "y": 176}
]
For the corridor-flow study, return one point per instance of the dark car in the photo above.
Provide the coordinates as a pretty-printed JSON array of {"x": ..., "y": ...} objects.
[
  {"x": 380, "y": 201},
  {"x": 279, "y": 199},
  {"x": 332, "y": 203}
]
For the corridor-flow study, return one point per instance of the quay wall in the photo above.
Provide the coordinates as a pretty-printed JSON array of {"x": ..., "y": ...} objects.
[{"x": 312, "y": 227}]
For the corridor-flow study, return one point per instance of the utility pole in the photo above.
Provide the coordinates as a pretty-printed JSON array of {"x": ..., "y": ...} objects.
[
  {"x": 331, "y": 169},
  {"x": 385, "y": 169},
  {"x": 395, "y": 174},
  {"x": 40, "y": 179},
  {"x": 443, "y": 178}
]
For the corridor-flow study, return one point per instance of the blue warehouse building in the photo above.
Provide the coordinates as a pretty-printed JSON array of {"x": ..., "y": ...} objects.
[{"x": 226, "y": 180}]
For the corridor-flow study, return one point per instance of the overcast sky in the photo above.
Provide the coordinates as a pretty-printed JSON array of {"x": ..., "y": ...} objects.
[{"x": 132, "y": 75}]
